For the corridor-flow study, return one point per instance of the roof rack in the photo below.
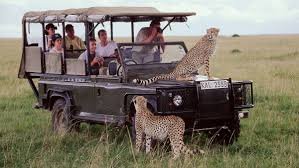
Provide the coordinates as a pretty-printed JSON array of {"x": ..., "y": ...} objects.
[{"x": 103, "y": 14}]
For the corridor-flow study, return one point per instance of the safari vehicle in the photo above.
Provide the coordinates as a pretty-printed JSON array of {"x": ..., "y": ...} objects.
[{"x": 67, "y": 88}]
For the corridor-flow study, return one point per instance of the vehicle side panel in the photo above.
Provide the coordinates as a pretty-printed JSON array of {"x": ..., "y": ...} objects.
[
  {"x": 110, "y": 96},
  {"x": 82, "y": 94}
]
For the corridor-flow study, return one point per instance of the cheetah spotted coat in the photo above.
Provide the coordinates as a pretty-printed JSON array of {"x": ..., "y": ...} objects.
[
  {"x": 199, "y": 55},
  {"x": 160, "y": 128}
]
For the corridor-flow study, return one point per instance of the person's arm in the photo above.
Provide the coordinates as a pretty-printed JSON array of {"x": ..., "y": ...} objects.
[
  {"x": 82, "y": 56},
  {"x": 161, "y": 40},
  {"x": 114, "y": 47},
  {"x": 95, "y": 61}
]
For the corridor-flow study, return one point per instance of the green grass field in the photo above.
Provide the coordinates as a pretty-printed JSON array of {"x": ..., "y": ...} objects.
[{"x": 269, "y": 137}]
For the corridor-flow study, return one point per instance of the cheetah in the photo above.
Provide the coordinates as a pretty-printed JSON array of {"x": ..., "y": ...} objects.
[
  {"x": 160, "y": 128},
  {"x": 198, "y": 55}
]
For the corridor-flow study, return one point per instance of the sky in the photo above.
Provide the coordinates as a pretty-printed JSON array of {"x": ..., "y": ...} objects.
[{"x": 231, "y": 16}]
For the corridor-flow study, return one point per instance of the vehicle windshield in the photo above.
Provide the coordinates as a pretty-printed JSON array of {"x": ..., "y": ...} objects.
[{"x": 157, "y": 53}]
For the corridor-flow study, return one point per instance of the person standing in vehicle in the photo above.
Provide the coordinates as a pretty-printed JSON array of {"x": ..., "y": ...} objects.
[
  {"x": 50, "y": 31},
  {"x": 105, "y": 48},
  {"x": 57, "y": 40},
  {"x": 151, "y": 34},
  {"x": 95, "y": 61},
  {"x": 72, "y": 42}
]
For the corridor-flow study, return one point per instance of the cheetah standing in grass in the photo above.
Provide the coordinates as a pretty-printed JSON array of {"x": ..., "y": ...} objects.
[
  {"x": 160, "y": 128},
  {"x": 199, "y": 55}
]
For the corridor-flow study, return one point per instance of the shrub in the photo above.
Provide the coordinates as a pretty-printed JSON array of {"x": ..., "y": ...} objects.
[
  {"x": 235, "y": 35},
  {"x": 234, "y": 51}
]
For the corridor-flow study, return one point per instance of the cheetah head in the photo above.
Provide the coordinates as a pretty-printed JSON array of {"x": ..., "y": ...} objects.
[
  {"x": 139, "y": 101},
  {"x": 212, "y": 33}
]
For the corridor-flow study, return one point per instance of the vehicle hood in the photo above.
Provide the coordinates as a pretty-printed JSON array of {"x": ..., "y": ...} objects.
[
  {"x": 174, "y": 83},
  {"x": 170, "y": 83}
]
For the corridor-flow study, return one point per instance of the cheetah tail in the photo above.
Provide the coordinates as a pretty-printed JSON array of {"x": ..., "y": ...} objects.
[{"x": 153, "y": 79}]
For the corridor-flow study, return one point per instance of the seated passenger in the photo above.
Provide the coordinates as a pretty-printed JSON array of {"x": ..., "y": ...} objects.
[
  {"x": 57, "y": 41},
  {"x": 72, "y": 42},
  {"x": 95, "y": 61},
  {"x": 145, "y": 54},
  {"x": 105, "y": 48},
  {"x": 50, "y": 31}
]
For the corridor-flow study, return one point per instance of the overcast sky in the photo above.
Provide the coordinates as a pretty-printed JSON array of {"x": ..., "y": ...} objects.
[{"x": 231, "y": 16}]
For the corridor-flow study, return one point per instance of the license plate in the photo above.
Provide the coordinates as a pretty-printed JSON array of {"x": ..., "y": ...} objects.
[{"x": 218, "y": 84}]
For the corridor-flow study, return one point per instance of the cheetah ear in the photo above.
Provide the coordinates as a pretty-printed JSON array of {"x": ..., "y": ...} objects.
[{"x": 134, "y": 99}]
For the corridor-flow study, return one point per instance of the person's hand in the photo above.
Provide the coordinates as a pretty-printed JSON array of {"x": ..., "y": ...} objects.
[
  {"x": 100, "y": 61},
  {"x": 94, "y": 61},
  {"x": 97, "y": 60}
]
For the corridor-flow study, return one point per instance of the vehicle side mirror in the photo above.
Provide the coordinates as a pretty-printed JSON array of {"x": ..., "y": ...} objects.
[{"x": 112, "y": 66}]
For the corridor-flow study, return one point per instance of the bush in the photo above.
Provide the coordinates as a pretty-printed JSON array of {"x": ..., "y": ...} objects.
[
  {"x": 235, "y": 35},
  {"x": 234, "y": 51}
]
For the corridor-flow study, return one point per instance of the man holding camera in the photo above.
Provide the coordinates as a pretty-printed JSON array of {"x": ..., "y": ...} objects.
[{"x": 148, "y": 53}]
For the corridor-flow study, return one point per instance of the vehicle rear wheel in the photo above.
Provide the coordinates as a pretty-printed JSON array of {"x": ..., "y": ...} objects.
[{"x": 62, "y": 122}]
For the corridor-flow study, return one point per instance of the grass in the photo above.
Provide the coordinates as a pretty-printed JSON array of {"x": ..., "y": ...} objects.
[{"x": 269, "y": 137}]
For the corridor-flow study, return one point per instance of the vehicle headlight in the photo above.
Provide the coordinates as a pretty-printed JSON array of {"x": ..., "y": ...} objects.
[{"x": 177, "y": 100}]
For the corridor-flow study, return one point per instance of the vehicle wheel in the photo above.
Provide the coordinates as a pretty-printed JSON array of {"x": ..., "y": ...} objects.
[
  {"x": 61, "y": 118},
  {"x": 229, "y": 134}
]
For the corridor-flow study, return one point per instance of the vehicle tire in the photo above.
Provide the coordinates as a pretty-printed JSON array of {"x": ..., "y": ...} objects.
[
  {"x": 62, "y": 122},
  {"x": 228, "y": 135}
]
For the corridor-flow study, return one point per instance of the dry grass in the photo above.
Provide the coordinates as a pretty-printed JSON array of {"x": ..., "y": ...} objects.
[{"x": 269, "y": 138}]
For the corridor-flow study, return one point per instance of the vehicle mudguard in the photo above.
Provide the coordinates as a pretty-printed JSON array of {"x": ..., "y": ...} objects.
[
  {"x": 53, "y": 95},
  {"x": 151, "y": 103}
]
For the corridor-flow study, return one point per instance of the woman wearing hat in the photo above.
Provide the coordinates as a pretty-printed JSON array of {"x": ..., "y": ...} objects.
[{"x": 50, "y": 31}]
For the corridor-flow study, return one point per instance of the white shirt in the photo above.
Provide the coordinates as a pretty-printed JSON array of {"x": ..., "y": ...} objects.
[
  {"x": 54, "y": 50},
  {"x": 106, "y": 51}
]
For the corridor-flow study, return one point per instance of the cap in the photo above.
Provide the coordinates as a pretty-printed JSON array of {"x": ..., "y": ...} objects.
[
  {"x": 56, "y": 36},
  {"x": 68, "y": 26},
  {"x": 50, "y": 25}
]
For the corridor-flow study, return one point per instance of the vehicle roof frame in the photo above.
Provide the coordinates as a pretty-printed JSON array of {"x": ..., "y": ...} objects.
[{"x": 105, "y": 14}]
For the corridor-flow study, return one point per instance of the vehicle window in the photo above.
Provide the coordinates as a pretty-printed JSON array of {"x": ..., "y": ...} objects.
[
  {"x": 149, "y": 54},
  {"x": 105, "y": 26},
  {"x": 120, "y": 31},
  {"x": 79, "y": 32},
  {"x": 34, "y": 33},
  {"x": 172, "y": 53},
  {"x": 74, "y": 40}
]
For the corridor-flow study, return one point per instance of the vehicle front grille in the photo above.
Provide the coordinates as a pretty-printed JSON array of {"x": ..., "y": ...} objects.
[
  {"x": 214, "y": 103},
  {"x": 166, "y": 95}
]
